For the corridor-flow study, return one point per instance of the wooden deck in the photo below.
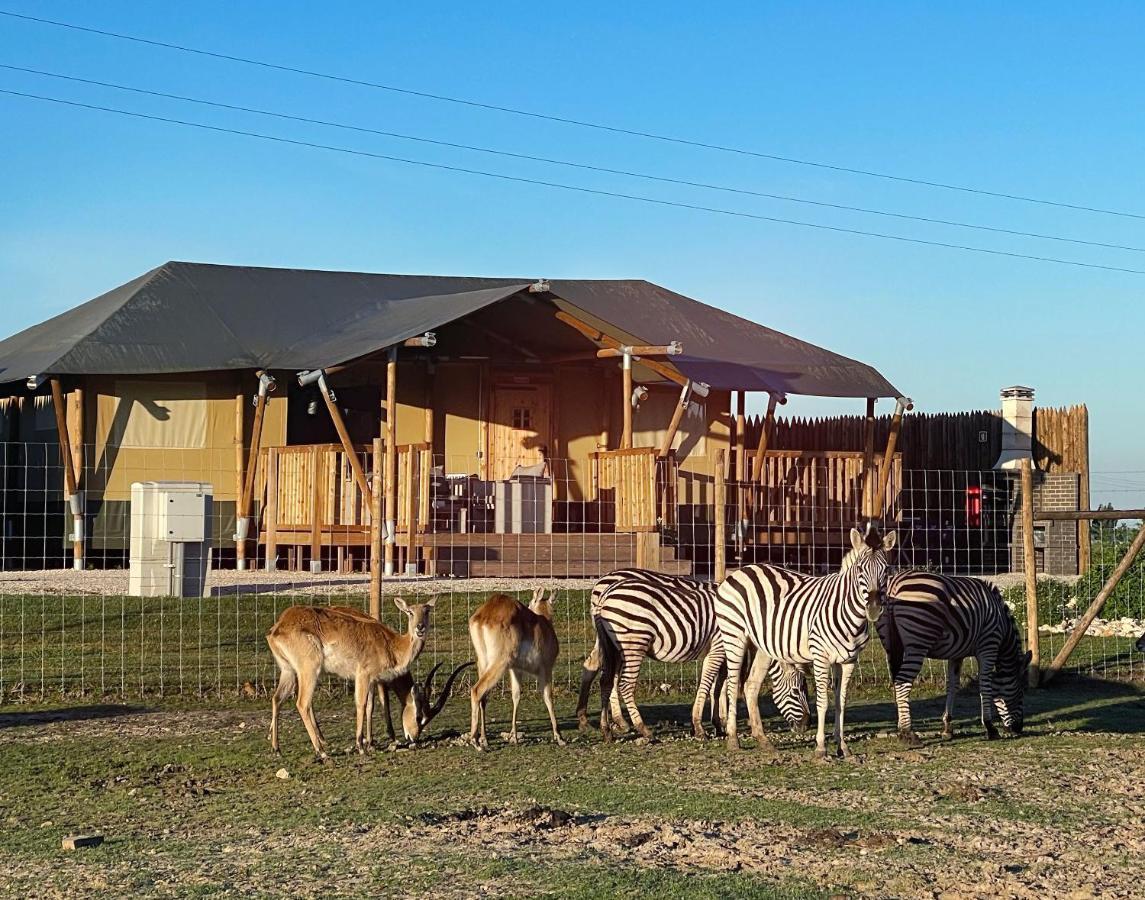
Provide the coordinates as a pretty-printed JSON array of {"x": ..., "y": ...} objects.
[{"x": 539, "y": 555}]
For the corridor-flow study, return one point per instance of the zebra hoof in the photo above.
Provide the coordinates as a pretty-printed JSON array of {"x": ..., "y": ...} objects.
[
  {"x": 991, "y": 732},
  {"x": 698, "y": 733},
  {"x": 845, "y": 752},
  {"x": 909, "y": 738}
]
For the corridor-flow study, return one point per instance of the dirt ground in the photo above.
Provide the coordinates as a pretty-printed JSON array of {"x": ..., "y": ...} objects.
[{"x": 192, "y": 802}]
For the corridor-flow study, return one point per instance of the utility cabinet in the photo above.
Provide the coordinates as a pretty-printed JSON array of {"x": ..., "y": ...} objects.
[{"x": 170, "y": 538}]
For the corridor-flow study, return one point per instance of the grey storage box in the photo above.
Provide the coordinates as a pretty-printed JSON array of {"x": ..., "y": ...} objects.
[
  {"x": 170, "y": 538},
  {"x": 523, "y": 505}
]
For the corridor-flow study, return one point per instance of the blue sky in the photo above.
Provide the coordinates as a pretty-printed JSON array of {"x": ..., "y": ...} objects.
[{"x": 1039, "y": 101}]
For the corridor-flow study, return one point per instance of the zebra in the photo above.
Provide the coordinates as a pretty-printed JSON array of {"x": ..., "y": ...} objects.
[
  {"x": 803, "y": 620},
  {"x": 639, "y": 613},
  {"x": 950, "y": 617}
]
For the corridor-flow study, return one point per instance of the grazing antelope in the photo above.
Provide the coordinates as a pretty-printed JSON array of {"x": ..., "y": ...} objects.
[
  {"x": 309, "y": 640},
  {"x": 418, "y": 707},
  {"x": 507, "y": 635}
]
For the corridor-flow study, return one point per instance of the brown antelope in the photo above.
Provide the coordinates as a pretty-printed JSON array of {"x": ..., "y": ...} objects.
[
  {"x": 507, "y": 635},
  {"x": 309, "y": 640},
  {"x": 418, "y": 707}
]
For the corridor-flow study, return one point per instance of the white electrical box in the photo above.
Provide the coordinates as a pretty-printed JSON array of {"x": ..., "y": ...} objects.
[{"x": 170, "y": 538}]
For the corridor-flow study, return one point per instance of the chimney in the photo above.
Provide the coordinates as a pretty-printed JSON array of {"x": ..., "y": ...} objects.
[{"x": 1017, "y": 427}]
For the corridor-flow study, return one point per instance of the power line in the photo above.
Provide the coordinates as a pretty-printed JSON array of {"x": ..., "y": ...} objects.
[
  {"x": 564, "y": 120},
  {"x": 569, "y": 163},
  {"x": 568, "y": 187}
]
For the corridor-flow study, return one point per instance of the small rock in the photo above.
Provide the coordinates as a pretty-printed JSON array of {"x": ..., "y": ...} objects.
[
  {"x": 76, "y": 841},
  {"x": 283, "y": 774}
]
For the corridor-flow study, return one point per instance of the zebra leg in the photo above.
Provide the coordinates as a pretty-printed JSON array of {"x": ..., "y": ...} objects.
[
  {"x": 843, "y": 675},
  {"x": 953, "y": 674},
  {"x": 905, "y": 674},
  {"x": 986, "y": 693},
  {"x": 734, "y": 651},
  {"x": 760, "y": 666},
  {"x": 619, "y": 723},
  {"x": 822, "y": 672},
  {"x": 632, "y": 657},
  {"x": 712, "y": 664},
  {"x": 718, "y": 700}
]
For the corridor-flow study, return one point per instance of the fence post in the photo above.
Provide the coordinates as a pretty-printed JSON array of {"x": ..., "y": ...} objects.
[
  {"x": 376, "y": 533},
  {"x": 1031, "y": 568},
  {"x": 1095, "y": 607},
  {"x": 721, "y": 500}
]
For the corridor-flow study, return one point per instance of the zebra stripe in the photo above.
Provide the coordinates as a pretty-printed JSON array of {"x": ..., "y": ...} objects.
[
  {"x": 638, "y": 613},
  {"x": 803, "y": 620},
  {"x": 951, "y": 617}
]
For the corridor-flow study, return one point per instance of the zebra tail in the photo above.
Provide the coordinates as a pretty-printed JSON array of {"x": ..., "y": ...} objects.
[{"x": 588, "y": 675}]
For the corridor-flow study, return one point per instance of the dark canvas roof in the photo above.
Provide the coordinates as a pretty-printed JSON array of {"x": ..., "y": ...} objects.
[{"x": 190, "y": 317}]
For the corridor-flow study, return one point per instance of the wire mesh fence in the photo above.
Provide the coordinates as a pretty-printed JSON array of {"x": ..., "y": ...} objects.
[{"x": 105, "y": 630}]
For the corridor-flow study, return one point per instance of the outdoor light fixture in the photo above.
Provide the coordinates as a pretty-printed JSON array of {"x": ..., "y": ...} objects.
[
  {"x": 266, "y": 384},
  {"x": 34, "y": 382},
  {"x": 675, "y": 348},
  {"x": 541, "y": 286},
  {"x": 639, "y": 394}
]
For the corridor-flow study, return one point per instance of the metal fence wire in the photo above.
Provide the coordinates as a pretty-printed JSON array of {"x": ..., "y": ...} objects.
[{"x": 85, "y": 633}]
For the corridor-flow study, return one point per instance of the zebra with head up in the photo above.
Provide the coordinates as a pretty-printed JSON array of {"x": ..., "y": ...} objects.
[
  {"x": 638, "y": 613},
  {"x": 951, "y": 617},
  {"x": 803, "y": 620}
]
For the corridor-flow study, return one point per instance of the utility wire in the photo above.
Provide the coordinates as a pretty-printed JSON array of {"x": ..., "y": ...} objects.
[
  {"x": 569, "y": 163},
  {"x": 567, "y": 187},
  {"x": 564, "y": 120}
]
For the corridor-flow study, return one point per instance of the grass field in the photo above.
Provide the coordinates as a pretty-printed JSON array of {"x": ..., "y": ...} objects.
[
  {"x": 110, "y": 646},
  {"x": 187, "y": 796}
]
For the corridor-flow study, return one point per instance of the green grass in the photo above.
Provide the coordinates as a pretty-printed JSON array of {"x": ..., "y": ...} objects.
[
  {"x": 187, "y": 796},
  {"x": 123, "y": 647}
]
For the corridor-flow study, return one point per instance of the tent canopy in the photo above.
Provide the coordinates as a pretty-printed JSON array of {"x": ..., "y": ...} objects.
[{"x": 194, "y": 317}]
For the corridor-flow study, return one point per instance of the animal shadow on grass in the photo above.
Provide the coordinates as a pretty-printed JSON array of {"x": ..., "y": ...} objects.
[{"x": 70, "y": 714}]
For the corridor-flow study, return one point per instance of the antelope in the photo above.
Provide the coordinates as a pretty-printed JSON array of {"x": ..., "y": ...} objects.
[
  {"x": 309, "y": 640},
  {"x": 507, "y": 635},
  {"x": 418, "y": 707}
]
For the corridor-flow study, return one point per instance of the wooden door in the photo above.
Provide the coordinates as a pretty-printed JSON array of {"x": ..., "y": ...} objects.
[{"x": 519, "y": 428}]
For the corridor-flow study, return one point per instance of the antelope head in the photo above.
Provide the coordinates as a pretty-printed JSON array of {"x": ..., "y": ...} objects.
[
  {"x": 422, "y": 708},
  {"x": 418, "y": 616},
  {"x": 542, "y": 605}
]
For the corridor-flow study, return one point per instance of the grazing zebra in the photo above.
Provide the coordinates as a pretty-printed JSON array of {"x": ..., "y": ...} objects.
[
  {"x": 802, "y": 620},
  {"x": 951, "y": 617},
  {"x": 638, "y": 613}
]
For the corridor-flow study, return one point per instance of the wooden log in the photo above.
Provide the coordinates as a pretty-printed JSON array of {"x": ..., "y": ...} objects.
[
  {"x": 741, "y": 435},
  {"x": 869, "y": 459},
  {"x": 242, "y": 513},
  {"x": 677, "y": 418},
  {"x": 1030, "y": 565},
  {"x": 376, "y": 530},
  {"x": 595, "y": 334},
  {"x": 764, "y": 436},
  {"x": 429, "y": 383},
  {"x": 1069, "y": 515},
  {"x": 240, "y": 479},
  {"x": 1096, "y": 606},
  {"x": 271, "y": 517},
  {"x": 641, "y": 350},
  {"x": 68, "y": 463},
  {"x": 391, "y": 479},
  {"x": 626, "y": 387},
  {"x": 1084, "y": 550},
  {"x": 901, "y": 406},
  {"x": 720, "y": 521},
  {"x": 347, "y": 444},
  {"x": 315, "y": 511}
]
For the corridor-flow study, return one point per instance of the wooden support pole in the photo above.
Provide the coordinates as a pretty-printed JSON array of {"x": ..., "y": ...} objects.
[
  {"x": 376, "y": 531},
  {"x": 677, "y": 417},
  {"x": 673, "y": 349},
  {"x": 757, "y": 469},
  {"x": 902, "y": 404},
  {"x": 391, "y": 479},
  {"x": 347, "y": 444},
  {"x": 429, "y": 379},
  {"x": 246, "y": 499},
  {"x": 271, "y": 517},
  {"x": 1030, "y": 565},
  {"x": 315, "y": 511},
  {"x": 595, "y": 334},
  {"x": 741, "y": 435},
  {"x": 721, "y": 501},
  {"x": 605, "y": 412},
  {"x": 1084, "y": 551},
  {"x": 240, "y": 480},
  {"x": 76, "y": 432},
  {"x": 869, "y": 460},
  {"x": 68, "y": 462},
  {"x": 1095, "y": 607},
  {"x": 626, "y": 382}
]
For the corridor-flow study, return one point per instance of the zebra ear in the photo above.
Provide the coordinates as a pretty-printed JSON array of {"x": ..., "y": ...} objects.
[
  {"x": 890, "y": 540},
  {"x": 856, "y": 539}
]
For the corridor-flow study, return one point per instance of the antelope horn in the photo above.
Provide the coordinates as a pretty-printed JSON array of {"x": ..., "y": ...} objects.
[
  {"x": 439, "y": 705},
  {"x": 427, "y": 686}
]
